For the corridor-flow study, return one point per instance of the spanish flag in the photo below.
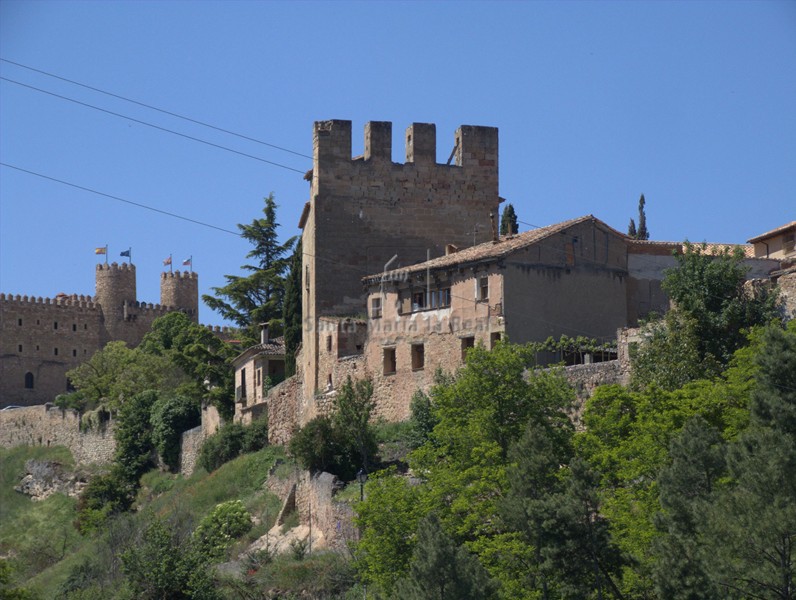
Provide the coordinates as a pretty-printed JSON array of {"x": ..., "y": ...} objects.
[{"x": 103, "y": 250}]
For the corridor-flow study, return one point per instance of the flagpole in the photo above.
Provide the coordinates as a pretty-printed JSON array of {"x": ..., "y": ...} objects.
[
  {"x": 106, "y": 254},
  {"x": 171, "y": 264}
]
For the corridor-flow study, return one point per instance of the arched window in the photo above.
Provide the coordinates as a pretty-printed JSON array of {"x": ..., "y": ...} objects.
[{"x": 28, "y": 380}]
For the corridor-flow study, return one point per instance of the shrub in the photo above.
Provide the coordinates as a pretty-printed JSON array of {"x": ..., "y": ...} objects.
[
  {"x": 104, "y": 496},
  {"x": 232, "y": 440},
  {"x": 216, "y": 532},
  {"x": 315, "y": 446}
]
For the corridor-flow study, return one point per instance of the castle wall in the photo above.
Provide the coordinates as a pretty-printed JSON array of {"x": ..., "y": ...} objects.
[
  {"x": 43, "y": 338},
  {"x": 47, "y": 425}
]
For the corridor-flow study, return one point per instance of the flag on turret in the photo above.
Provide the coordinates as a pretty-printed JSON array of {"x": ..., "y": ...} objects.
[
  {"x": 103, "y": 250},
  {"x": 187, "y": 262},
  {"x": 167, "y": 262},
  {"x": 125, "y": 253}
]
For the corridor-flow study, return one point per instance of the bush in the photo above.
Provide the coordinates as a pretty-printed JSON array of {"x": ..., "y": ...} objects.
[
  {"x": 104, "y": 496},
  {"x": 232, "y": 440},
  {"x": 216, "y": 532},
  {"x": 315, "y": 446}
]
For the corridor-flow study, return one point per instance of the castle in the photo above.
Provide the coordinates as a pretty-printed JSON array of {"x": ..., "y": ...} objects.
[
  {"x": 403, "y": 271},
  {"x": 43, "y": 338}
]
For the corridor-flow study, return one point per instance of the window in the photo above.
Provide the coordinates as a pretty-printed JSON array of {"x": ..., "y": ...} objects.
[
  {"x": 55, "y": 351},
  {"x": 418, "y": 301},
  {"x": 55, "y": 324},
  {"x": 243, "y": 384},
  {"x": 28, "y": 380},
  {"x": 788, "y": 242},
  {"x": 467, "y": 343},
  {"x": 375, "y": 308},
  {"x": 19, "y": 347},
  {"x": 389, "y": 361},
  {"x": 418, "y": 357},
  {"x": 74, "y": 352},
  {"x": 74, "y": 326},
  {"x": 258, "y": 374},
  {"x": 19, "y": 322},
  {"x": 85, "y": 325},
  {"x": 69, "y": 386},
  {"x": 494, "y": 338},
  {"x": 307, "y": 277},
  {"x": 483, "y": 289},
  {"x": 328, "y": 343}
]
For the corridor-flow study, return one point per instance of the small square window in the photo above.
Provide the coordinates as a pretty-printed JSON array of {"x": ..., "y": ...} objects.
[
  {"x": 389, "y": 361},
  {"x": 418, "y": 357},
  {"x": 418, "y": 301}
]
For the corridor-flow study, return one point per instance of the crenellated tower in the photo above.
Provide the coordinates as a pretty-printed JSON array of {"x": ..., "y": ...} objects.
[
  {"x": 115, "y": 291},
  {"x": 181, "y": 291},
  {"x": 365, "y": 210}
]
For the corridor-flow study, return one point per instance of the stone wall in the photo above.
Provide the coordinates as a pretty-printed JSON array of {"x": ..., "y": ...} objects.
[
  {"x": 786, "y": 281},
  {"x": 47, "y": 425},
  {"x": 191, "y": 443},
  {"x": 316, "y": 507}
]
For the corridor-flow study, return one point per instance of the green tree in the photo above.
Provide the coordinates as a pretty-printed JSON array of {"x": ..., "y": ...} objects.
[
  {"x": 258, "y": 297},
  {"x": 388, "y": 520},
  {"x": 508, "y": 221},
  {"x": 200, "y": 355},
  {"x": 292, "y": 311},
  {"x": 442, "y": 570},
  {"x": 642, "y": 233},
  {"x": 631, "y": 229},
  {"x": 354, "y": 406},
  {"x": 172, "y": 415},
  {"x": 117, "y": 373},
  {"x": 686, "y": 489}
]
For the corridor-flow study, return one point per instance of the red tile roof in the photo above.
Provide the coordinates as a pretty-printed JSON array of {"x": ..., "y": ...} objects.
[{"x": 773, "y": 232}]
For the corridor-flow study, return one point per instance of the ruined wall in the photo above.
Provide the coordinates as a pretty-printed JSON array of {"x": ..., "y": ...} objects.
[
  {"x": 787, "y": 289},
  {"x": 47, "y": 425},
  {"x": 316, "y": 506},
  {"x": 190, "y": 444}
]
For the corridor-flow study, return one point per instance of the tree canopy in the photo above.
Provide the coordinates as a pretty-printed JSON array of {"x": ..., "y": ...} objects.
[{"x": 257, "y": 298}]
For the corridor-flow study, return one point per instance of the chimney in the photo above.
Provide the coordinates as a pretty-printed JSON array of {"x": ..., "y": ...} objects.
[
  {"x": 494, "y": 227},
  {"x": 450, "y": 249},
  {"x": 263, "y": 333}
]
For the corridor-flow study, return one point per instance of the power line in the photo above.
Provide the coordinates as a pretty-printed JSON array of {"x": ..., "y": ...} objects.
[
  {"x": 138, "y": 204},
  {"x": 160, "y": 110},
  {"x": 195, "y": 139}
]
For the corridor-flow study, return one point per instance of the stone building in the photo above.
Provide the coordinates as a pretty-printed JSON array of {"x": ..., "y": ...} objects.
[
  {"x": 368, "y": 213},
  {"x": 779, "y": 243},
  {"x": 258, "y": 369},
  {"x": 43, "y": 338}
]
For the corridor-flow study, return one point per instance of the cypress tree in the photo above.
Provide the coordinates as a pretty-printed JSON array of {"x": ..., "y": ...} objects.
[
  {"x": 291, "y": 311},
  {"x": 508, "y": 221},
  {"x": 631, "y": 230},
  {"x": 642, "y": 234}
]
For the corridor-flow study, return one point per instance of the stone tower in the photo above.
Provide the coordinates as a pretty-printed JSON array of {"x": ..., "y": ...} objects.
[
  {"x": 365, "y": 210},
  {"x": 115, "y": 292},
  {"x": 181, "y": 291}
]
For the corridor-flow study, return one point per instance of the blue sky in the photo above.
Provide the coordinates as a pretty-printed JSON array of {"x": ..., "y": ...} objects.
[{"x": 692, "y": 104}]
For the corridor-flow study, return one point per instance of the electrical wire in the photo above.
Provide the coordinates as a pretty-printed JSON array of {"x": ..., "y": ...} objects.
[
  {"x": 149, "y": 106},
  {"x": 112, "y": 197},
  {"x": 158, "y": 127}
]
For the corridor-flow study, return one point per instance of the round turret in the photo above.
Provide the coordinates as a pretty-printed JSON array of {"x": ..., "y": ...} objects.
[{"x": 181, "y": 291}]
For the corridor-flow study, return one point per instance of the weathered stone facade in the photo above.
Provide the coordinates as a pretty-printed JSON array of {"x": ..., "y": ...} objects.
[
  {"x": 43, "y": 338},
  {"x": 47, "y": 425}
]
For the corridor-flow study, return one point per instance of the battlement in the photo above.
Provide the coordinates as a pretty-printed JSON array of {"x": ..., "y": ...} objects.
[
  {"x": 179, "y": 275},
  {"x": 116, "y": 267},
  {"x": 475, "y": 146},
  {"x": 74, "y": 300}
]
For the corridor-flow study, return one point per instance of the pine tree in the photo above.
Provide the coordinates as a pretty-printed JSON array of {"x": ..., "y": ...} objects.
[
  {"x": 258, "y": 297},
  {"x": 642, "y": 234},
  {"x": 508, "y": 221},
  {"x": 441, "y": 570},
  {"x": 291, "y": 310}
]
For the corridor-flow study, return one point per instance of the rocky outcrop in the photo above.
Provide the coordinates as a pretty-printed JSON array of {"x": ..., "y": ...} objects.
[{"x": 43, "y": 478}]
